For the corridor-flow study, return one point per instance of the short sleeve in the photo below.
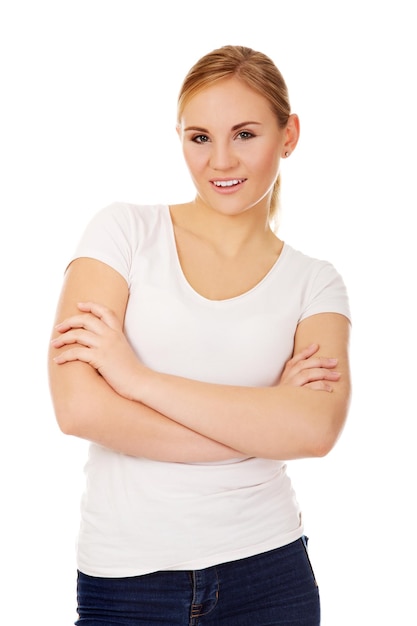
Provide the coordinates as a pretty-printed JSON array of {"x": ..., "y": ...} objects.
[
  {"x": 326, "y": 293},
  {"x": 109, "y": 238}
]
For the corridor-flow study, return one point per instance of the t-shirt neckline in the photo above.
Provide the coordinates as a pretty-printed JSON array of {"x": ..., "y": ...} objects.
[{"x": 198, "y": 295}]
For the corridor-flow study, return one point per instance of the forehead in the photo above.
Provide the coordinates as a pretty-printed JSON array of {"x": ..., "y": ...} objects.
[{"x": 229, "y": 101}]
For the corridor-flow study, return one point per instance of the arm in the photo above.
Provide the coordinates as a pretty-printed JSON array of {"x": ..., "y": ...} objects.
[
  {"x": 86, "y": 406},
  {"x": 284, "y": 421},
  {"x": 297, "y": 418}
]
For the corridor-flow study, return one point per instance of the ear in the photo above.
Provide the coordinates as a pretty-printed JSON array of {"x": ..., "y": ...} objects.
[
  {"x": 178, "y": 129},
  {"x": 292, "y": 134}
]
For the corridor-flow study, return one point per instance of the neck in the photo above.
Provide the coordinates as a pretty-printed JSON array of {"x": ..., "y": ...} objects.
[{"x": 231, "y": 233}]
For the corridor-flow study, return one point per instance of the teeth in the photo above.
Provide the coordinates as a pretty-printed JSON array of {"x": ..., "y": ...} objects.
[{"x": 227, "y": 183}]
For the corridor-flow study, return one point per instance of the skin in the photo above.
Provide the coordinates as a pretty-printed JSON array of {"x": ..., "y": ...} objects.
[{"x": 225, "y": 247}]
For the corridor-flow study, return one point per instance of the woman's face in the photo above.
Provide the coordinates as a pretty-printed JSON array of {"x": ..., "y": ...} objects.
[{"x": 232, "y": 145}]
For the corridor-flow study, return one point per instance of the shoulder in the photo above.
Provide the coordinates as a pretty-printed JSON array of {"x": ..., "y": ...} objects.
[
  {"x": 116, "y": 233},
  {"x": 308, "y": 268},
  {"x": 125, "y": 213},
  {"x": 322, "y": 288},
  {"x": 301, "y": 261},
  {"x": 126, "y": 221}
]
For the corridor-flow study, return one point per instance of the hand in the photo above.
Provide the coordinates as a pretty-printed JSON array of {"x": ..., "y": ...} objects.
[
  {"x": 307, "y": 370},
  {"x": 97, "y": 338}
]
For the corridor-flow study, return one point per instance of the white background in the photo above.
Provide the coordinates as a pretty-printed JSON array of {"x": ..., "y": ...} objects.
[{"x": 88, "y": 97}]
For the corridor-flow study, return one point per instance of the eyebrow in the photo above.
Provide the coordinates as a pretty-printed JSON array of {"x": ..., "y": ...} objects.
[{"x": 235, "y": 127}]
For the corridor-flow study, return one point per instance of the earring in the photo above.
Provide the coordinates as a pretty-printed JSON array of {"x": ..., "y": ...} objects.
[{"x": 286, "y": 154}]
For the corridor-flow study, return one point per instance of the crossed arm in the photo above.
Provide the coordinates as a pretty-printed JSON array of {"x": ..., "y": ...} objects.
[{"x": 103, "y": 393}]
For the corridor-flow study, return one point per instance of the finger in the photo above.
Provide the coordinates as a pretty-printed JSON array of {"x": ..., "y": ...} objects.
[
  {"x": 319, "y": 361},
  {"x": 101, "y": 312},
  {"x": 320, "y": 385},
  {"x": 304, "y": 354},
  {"x": 292, "y": 369},
  {"x": 316, "y": 374},
  {"x": 81, "y": 337},
  {"x": 85, "y": 320},
  {"x": 74, "y": 354}
]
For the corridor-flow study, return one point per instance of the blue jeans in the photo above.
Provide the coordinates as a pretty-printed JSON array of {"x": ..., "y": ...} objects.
[{"x": 273, "y": 588}]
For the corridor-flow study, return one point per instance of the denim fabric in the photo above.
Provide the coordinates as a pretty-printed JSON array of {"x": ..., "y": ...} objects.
[{"x": 273, "y": 588}]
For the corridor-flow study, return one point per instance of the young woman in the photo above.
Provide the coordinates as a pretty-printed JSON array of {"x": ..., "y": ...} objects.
[{"x": 197, "y": 352}]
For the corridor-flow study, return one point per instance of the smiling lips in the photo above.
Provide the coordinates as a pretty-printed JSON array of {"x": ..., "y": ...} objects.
[{"x": 228, "y": 183}]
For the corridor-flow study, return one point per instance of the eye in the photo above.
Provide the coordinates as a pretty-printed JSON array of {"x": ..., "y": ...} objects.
[
  {"x": 245, "y": 134},
  {"x": 200, "y": 139}
]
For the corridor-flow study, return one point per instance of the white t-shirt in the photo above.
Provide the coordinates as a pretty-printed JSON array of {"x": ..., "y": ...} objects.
[{"x": 140, "y": 515}]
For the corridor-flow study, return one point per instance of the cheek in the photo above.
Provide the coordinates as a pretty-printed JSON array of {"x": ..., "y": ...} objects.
[
  {"x": 270, "y": 160},
  {"x": 195, "y": 159}
]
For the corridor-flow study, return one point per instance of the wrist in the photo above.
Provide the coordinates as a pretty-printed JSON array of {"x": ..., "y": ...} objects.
[{"x": 141, "y": 383}]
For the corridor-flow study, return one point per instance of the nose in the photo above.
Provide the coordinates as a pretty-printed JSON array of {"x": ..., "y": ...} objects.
[{"x": 222, "y": 156}]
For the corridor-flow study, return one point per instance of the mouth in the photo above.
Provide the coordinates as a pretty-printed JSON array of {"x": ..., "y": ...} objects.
[{"x": 228, "y": 183}]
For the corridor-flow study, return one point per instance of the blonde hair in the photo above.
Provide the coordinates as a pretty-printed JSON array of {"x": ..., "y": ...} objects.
[{"x": 253, "y": 68}]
